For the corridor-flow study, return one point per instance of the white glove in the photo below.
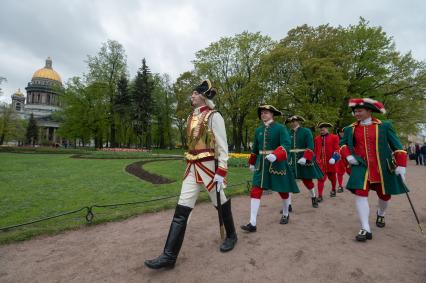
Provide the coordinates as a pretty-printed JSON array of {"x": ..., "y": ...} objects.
[
  {"x": 351, "y": 159},
  {"x": 219, "y": 180},
  {"x": 252, "y": 168},
  {"x": 400, "y": 171},
  {"x": 271, "y": 157},
  {"x": 332, "y": 161},
  {"x": 302, "y": 161}
]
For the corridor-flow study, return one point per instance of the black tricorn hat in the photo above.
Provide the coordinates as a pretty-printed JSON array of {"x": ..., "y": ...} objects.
[
  {"x": 271, "y": 108},
  {"x": 324, "y": 125},
  {"x": 294, "y": 118},
  {"x": 206, "y": 89}
]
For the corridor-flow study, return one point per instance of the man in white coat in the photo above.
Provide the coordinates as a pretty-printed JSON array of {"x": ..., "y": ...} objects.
[{"x": 206, "y": 158}]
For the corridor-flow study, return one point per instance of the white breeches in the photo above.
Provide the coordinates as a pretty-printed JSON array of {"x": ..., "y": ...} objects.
[{"x": 191, "y": 189}]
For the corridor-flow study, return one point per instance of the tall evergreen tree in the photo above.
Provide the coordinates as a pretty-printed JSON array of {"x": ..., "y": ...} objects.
[
  {"x": 143, "y": 104},
  {"x": 122, "y": 110},
  {"x": 32, "y": 131}
]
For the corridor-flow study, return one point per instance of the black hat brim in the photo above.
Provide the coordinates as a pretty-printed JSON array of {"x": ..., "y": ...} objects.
[
  {"x": 272, "y": 109},
  {"x": 367, "y": 106}
]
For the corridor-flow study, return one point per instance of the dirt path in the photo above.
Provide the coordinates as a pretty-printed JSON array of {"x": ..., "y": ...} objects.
[{"x": 317, "y": 246}]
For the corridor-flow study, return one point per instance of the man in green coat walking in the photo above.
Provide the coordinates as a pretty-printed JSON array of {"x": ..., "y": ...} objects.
[
  {"x": 268, "y": 162},
  {"x": 302, "y": 159},
  {"x": 376, "y": 156}
]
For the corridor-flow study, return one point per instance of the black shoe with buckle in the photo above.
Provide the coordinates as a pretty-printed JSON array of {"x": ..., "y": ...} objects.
[
  {"x": 380, "y": 221},
  {"x": 340, "y": 190},
  {"x": 249, "y": 228},
  {"x": 284, "y": 219},
  {"x": 319, "y": 199},
  {"x": 363, "y": 236},
  {"x": 333, "y": 193}
]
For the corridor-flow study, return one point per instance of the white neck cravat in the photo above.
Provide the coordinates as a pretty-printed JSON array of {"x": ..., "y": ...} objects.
[
  {"x": 367, "y": 121},
  {"x": 267, "y": 123}
]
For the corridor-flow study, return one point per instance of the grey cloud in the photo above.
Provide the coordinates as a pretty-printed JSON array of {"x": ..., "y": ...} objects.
[{"x": 168, "y": 33}]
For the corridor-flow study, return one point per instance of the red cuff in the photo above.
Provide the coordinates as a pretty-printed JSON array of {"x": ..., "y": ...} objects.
[
  {"x": 280, "y": 153},
  {"x": 344, "y": 151},
  {"x": 400, "y": 158},
  {"x": 252, "y": 159},
  {"x": 308, "y": 154},
  {"x": 221, "y": 171}
]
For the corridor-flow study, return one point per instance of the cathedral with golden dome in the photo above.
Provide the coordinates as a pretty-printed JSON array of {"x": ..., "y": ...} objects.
[{"x": 42, "y": 99}]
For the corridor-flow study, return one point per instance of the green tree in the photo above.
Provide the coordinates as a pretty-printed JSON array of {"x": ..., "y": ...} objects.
[
  {"x": 142, "y": 90},
  {"x": 375, "y": 69},
  {"x": 162, "y": 111},
  {"x": 107, "y": 68},
  {"x": 32, "y": 131},
  {"x": 122, "y": 113},
  {"x": 231, "y": 63},
  {"x": 182, "y": 89},
  {"x": 314, "y": 71},
  {"x": 85, "y": 112},
  {"x": 11, "y": 126}
]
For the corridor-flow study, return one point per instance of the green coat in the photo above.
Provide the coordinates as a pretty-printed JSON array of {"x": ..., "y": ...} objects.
[
  {"x": 387, "y": 142},
  {"x": 275, "y": 176},
  {"x": 300, "y": 140}
]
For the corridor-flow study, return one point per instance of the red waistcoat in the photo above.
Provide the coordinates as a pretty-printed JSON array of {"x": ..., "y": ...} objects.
[
  {"x": 365, "y": 146},
  {"x": 324, "y": 147}
]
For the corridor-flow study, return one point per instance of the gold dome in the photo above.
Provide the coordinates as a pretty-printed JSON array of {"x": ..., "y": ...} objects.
[
  {"x": 47, "y": 72},
  {"x": 19, "y": 93}
]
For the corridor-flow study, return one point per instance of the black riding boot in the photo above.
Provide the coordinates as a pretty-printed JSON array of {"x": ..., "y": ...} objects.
[
  {"x": 228, "y": 222},
  {"x": 174, "y": 240}
]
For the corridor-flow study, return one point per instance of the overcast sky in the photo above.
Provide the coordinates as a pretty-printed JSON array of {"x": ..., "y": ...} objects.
[{"x": 168, "y": 33}]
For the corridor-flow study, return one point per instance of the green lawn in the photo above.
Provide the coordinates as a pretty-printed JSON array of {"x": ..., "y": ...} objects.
[{"x": 34, "y": 186}]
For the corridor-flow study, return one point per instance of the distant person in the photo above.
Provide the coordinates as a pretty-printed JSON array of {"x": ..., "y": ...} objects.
[
  {"x": 326, "y": 149},
  {"x": 423, "y": 154},
  {"x": 418, "y": 155}
]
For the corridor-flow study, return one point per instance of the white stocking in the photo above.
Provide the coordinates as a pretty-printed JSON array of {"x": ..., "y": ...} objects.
[
  {"x": 254, "y": 207},
  {"x": 312, "y": 192},
  {"x": 363, "y": 212},
  {"x": 286, "y": 203},
  {"x": 382, "y": 207}
]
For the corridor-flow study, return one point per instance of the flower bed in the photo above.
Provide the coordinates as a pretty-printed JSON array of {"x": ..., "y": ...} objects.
[
  {"x": 238, "y": 159},
  {"x": 119, "y": 149}
]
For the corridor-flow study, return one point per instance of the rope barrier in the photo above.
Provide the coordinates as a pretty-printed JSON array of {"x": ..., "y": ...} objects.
[
  {"x": 90, "y": 214},
  {"x": 44, "y": 219}
]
